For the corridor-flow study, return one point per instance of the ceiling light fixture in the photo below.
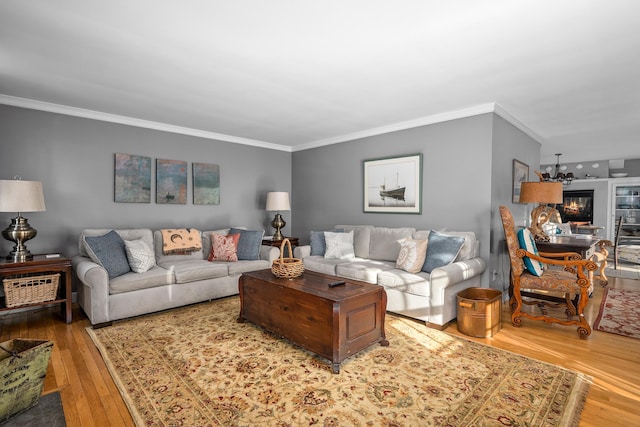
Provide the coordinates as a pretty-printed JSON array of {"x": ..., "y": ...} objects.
[{"x": 564, "y": 178}]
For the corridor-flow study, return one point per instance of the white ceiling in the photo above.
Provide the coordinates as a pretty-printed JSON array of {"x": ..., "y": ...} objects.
[{"x": 293, "y": 74}]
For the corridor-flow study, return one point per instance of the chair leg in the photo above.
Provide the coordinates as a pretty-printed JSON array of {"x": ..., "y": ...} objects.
[
  {"x": 571, "y": 308},
  {"x": 584, "y": 330},
  {"x": 516, "y": 306}
]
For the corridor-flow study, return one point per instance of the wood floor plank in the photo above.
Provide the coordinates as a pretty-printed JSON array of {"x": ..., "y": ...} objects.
[{"x": 91, "y": 398}]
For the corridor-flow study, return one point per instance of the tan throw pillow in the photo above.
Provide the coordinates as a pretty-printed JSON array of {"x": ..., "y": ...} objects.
[
  {"x": 412, "y": 255},
  {"x": 224, "y": 248}
]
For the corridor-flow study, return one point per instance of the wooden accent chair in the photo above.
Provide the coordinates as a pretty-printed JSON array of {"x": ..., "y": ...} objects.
[{"x": 572, "y": 279}]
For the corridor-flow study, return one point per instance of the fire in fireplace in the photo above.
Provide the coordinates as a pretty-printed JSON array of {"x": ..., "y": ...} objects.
[{"x": 577, "y": 206}]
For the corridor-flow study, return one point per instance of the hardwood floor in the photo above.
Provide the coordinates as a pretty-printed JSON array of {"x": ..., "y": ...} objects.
[{"x": 90, "y": 397}]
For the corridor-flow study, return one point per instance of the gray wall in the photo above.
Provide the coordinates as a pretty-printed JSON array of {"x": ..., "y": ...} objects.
[
  {"x": 456, "y": 193},
  {"x": 509, "y": 143},
  {"x": 74, "y": 159},
  {"x": 466, "y": 176}
]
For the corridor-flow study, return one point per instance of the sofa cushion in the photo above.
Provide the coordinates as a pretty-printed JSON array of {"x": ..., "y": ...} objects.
[
  {"x": 240, "y": 267},
  {"x": 191, "y": 270},
  {"x": 339, "y": 245},
  {"x": 109, "y": 251},
  {"x": 155, "y": 276},
  {"x": 365, "y": 270},
  {"x": 403, "y": 281},
  {"x": 127, "y": 234},
  {"x": 249, "y": 243},
  {"x": 412, "y": 255},
  {"x": 527, "y": 242},
  {"x": 140, "y": 255},
  {"x": 323, "y": 265},
  {"x": 223, "y": 248},
  {"x": 384, "y": 242},
  {"x": 361, "y": 238},
  {"x": 442, "y": 249}
]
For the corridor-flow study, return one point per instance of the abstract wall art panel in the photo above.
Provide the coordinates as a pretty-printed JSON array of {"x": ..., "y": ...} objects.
[
  {"x": 206, "y": 184},
  {"x": 132, "y": 178},
  {"x": 171, "y": 182}
]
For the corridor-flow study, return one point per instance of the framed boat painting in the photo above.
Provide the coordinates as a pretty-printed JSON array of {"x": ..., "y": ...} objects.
[
  {"x": 393, "y": 185},
  {"x": 520, "y": 175}
]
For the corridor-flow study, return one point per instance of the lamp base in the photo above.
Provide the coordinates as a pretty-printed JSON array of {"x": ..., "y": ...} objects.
[
  {"x": 278, "y": 223},
  {"x": 19, "y": 231},
  {"x": 539, "y": 217}
]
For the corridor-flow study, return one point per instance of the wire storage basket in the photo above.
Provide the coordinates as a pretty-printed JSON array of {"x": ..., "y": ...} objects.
[
  {"x": 287, "y": 268},
  {"x": 29, "y": 289}
]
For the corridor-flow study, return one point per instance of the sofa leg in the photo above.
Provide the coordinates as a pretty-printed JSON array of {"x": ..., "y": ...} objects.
[
  {"x": 436, "y": 326},
  {"x": 102, "y": 325}
]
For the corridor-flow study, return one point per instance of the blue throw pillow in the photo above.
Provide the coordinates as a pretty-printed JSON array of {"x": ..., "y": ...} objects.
[
  {"x": 528, "y": 243},
  {"x": 109, "y": 251},
  {"x": 248, "y": 244},
  {"x": 442, "y": 249}
]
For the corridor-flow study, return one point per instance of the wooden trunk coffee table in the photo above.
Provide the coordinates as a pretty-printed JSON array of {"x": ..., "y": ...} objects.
[{"x": 332, "y": 322}]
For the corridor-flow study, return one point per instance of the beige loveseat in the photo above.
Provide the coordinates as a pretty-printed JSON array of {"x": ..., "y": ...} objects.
[
  {"x": 172, "y": 281},
  {"x": 427, "y": 296}
]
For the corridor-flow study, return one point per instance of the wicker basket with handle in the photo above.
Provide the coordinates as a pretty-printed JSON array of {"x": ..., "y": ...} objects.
[{"x": 287, "y": 268}]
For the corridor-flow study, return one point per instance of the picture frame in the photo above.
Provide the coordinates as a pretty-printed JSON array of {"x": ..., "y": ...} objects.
[
  {"x": 171, "y": 182},
  {"x": 206, "y": 184},
  {"x": 393, "y": 184},
  {"x": 520, "y": 174},
  {"x": 132, "y": 178}
]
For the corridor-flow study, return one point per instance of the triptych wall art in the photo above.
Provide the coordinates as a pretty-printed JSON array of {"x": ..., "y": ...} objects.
[{"x": 133, "y": 181}]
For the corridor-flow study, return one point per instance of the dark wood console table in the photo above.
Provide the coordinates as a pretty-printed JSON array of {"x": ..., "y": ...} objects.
[
  {"x": 42, "y": 264},
  {"x": 570, "y": 243}
]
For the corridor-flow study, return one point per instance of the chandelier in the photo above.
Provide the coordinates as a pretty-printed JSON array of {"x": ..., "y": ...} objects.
[{"x": 560, "y": 176}]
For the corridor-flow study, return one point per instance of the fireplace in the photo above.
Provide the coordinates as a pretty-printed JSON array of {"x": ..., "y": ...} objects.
[{"x": 577, "y": 206}]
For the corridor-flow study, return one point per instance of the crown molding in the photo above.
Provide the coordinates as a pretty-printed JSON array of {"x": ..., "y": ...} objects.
[
  {"x": 409, "y": 124},
  {"x": 499, "y": 110},
  {"x": 130, "y": 121},
  {"x": 394, "y": 127}
]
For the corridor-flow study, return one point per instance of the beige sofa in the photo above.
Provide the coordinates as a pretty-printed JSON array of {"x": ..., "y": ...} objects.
[
  {"x": 174, "y": 280},
  {"x": 430, "y": 297}
]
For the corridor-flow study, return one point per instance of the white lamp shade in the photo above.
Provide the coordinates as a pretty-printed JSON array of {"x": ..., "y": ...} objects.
[
  {"x": 278, "y": 201},
  {"x": 21, "y": 196}
]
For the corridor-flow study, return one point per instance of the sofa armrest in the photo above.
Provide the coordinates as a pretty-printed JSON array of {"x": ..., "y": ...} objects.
[
  {"x": 456, "y": 272},
  {"x": 94, "y": 297},
  {"x": 302, "y": 252},
  {"x": 269, "y": 253}
]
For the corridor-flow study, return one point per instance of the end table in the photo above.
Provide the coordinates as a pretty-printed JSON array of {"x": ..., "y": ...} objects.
[
  {"x": 278, "y": 243},
  {"x": 42, "y": 264}
]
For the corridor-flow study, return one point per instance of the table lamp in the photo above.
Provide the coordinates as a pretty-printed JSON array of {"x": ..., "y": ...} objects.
[
  {"x": 278, "y": 201},
  {"x": 20, "y": 196},
  {"x": 543, "y": 193}
]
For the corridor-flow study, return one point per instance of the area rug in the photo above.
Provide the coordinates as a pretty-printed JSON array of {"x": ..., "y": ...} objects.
[
  {"x": 196, "y": 366},
  {"x": 619, "y": 312}
]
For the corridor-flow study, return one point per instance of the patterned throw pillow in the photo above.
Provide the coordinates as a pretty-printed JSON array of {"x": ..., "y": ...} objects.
[
  {"x": 412, "y": 255},
  {"x": 339, "y": 245},
  {"x": 528, "y": 243},
  {"x": 224, "y": 248},
  {"x": 140, "y": 255}
]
